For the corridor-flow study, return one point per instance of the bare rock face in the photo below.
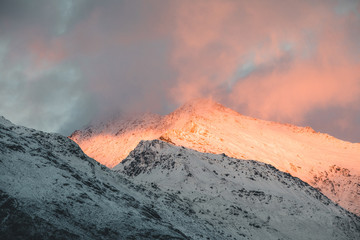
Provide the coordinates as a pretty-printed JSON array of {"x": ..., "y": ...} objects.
[{"x": 209, "y": 127}]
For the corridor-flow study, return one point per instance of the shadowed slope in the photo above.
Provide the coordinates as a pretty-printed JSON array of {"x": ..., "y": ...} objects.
[{"x": 49, "y": 189}]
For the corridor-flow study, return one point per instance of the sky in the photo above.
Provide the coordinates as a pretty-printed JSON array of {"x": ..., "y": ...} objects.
[{"x": 64, "y": 63}]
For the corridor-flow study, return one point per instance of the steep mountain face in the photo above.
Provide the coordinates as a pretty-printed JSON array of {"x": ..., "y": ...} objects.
[
  {"x": 239, "y": 199},
  {"x": 49, "y": 189},
  {"x": 326, "y": 163}
]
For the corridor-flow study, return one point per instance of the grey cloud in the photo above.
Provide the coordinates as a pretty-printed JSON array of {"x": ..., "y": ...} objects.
[
  {"x": 115, "y": 62},
  {"x": 48, "y": 102},
  {"x": 117, "y": 58},
  {"x": 344, "y": 122}
]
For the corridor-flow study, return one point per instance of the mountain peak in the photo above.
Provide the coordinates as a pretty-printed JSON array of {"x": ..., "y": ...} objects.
[
  {"x": 201, "y": 105},
  {"x": 206, "y": 126},
  {"x": 5, "y": 122},
  {"x": 237, "y": 193},
  {"x": 205, "y": 108},
  {"x": 51, "y": 190}
]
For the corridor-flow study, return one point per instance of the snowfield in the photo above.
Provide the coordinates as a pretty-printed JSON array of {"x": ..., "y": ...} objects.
[
  {"x": 49, "y": 189},
  {"x": 240, "y": 199},
  {"x": 326, "y": 163}
]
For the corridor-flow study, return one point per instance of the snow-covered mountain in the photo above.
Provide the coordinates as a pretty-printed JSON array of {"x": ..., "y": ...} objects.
[
  {"x": 239, "y": 199},
  {"x": 326, "y": 163},
  {"x": 49, "y": 189}
]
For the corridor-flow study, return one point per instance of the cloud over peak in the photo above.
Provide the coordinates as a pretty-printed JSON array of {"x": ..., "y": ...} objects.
[{"x": 290, "y": 61}]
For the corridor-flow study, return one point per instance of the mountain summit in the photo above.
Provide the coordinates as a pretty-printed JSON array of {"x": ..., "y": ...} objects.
[
  {"x": 326, "y": 163},
  {"x": 49, "y": 189}
]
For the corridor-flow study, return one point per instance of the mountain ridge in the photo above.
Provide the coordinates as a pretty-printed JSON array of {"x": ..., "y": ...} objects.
[
  {"x": 207, "y": 126},
  {"x": 245, "y": 192},
  {"x": 50, "y": 189}
]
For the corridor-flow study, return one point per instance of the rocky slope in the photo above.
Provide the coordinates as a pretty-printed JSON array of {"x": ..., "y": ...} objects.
[
  {"x": 326, "y": 163},
  {"x": 49, "y": 189},
  {"x": 239, "y": 199}
]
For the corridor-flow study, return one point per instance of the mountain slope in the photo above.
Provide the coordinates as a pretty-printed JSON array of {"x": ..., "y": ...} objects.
[
  {"x": 49, "y": 189},
  {"x": 325, "y": 162},
  {"x": 239, "y": 199}
]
